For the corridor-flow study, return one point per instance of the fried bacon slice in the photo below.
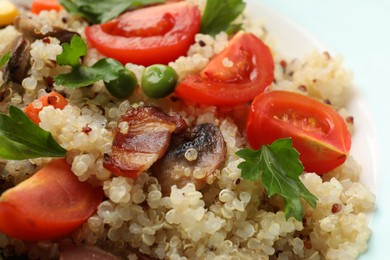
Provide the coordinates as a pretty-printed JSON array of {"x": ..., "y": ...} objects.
[{"x": 141, "y": 138}]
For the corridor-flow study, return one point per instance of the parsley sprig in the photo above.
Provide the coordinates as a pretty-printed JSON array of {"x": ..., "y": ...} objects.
[
  {"x": 219, "y": 15},
  {"x": 21, "y": 139},
  {"x": 101, "y": 11},
  {"x": 278, "y": 167},
  {"x": 105, "y": 69}
]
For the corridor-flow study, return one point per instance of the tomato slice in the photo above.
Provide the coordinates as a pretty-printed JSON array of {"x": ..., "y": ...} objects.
[
  {"x": 41, "y": 5},
  {"x": 248, "y": 70},
  {"x": 157, "y": 34},
  {"x": 48, "y": 205},
  {"x": 318, "y": 132}
]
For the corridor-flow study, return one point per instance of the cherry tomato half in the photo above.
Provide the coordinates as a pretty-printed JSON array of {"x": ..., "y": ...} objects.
[
  {"x": 157, "y": 34},
  {"x": 236, "y": 75},
  {"x": 318, "y": 132},
  {"x": 45, "y": 5},
  {"x": 48, "y": 205}
]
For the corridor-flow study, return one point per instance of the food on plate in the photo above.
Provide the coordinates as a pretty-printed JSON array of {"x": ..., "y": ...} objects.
[
  {"x": 172, "y": 130},
  {"x": 236, "y": 75},
  {"x": 8, "y": 12},
  {"x": 147, "y": 36},
  {"x": 318, "y": 132},
  {"x": 48, "y": 205}
]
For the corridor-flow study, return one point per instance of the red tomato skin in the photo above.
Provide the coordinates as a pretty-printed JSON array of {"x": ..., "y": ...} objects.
[
  {"x": 154, "y": 41},
  {"x": 49, "y": 205},
  {"x": 320, "y": 150},
  {"x": 41, "y": 5},
  {"x": 218, "y": 85}
]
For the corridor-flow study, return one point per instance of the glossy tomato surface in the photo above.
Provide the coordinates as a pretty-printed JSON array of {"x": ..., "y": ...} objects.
[
  {"x": 157, "y": 34},
  {"x": 318, "y": 132},
  {"x": 48, "y": 205},
  {"x": 236, "y": 75}
]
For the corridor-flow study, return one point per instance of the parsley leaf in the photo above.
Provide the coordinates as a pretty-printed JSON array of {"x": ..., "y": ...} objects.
[
  {"x": 71, "y": 53},
  {"x": 219, "y": 14},
  {"x": 278, "y": 167},
  {"x": 21, "y": 139},
  {"x": 102, "y": 11},
  {"x": 5, "y": 58},
  {"x": 81, "y": 75}
]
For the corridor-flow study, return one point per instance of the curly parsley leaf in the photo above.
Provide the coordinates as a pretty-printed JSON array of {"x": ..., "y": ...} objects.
[
  {"x": 219, "y": 15},
  {"x": 278, "y": 167},
  {"x": 5, "y": 58},
  {"x": 21, "y": 139},
  {"x": 71, "y": 53},
  {"x": 81, "y": 75},
  {"x": 102, "y": 11}
]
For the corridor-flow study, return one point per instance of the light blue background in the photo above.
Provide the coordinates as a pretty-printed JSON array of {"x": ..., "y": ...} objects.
[{"x": 359, "y": 30}]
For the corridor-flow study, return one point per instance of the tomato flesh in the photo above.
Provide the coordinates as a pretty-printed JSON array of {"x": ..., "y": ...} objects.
[
  {"x": 249, "y": 73},
  {"x": 318, "y": 132},
  {"x": 48, "y": 205},
  {"x": 152, "y": 35}
]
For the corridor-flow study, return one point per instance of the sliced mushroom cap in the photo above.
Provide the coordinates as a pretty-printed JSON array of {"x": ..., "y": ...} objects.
[
  {"x": 19, "y": 63},
  {"x": 192, "y": 157},
  {"x": 29, "y": 28},
  {"x": 141, "y": 138}
]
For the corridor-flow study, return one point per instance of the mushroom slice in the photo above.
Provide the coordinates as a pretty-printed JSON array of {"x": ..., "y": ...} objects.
[
  {"x": 192, "y": 157},
  {"x": 19, "y": 64},
  {"x": 29, "y": 28},
  {"x": 141, "y": 138}
]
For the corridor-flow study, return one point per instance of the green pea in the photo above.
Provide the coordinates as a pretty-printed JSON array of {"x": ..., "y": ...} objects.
[
  {"x": 124, "y": 85},
  {"x": 158, "y": 81}
]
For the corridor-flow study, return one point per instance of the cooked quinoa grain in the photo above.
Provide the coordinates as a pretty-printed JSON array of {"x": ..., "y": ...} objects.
[{"x": 230, "y": 217}]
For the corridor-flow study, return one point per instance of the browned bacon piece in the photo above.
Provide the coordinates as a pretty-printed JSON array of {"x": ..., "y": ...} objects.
[{"x": 141, "y": 138}]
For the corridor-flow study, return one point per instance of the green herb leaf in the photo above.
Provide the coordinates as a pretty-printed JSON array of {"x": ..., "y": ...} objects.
[
  {"x": 21, "y": 139},
  {"x": 233, "y": 28},
  {"x": 219, "y": 14},
  {"x": 102, "y": 11},
  {"x": 71, "y": 53},
  {"x": 5, "y": 58},
  {"x": 278, "y": 167},
  {"x": 81, "y": 76}
]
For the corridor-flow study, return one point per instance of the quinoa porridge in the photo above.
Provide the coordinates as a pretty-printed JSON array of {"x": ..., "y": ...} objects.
[{"x": 183, "y": 194}]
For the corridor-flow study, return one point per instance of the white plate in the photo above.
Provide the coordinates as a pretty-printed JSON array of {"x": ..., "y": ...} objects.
[{"x": 293, "y": 41}]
